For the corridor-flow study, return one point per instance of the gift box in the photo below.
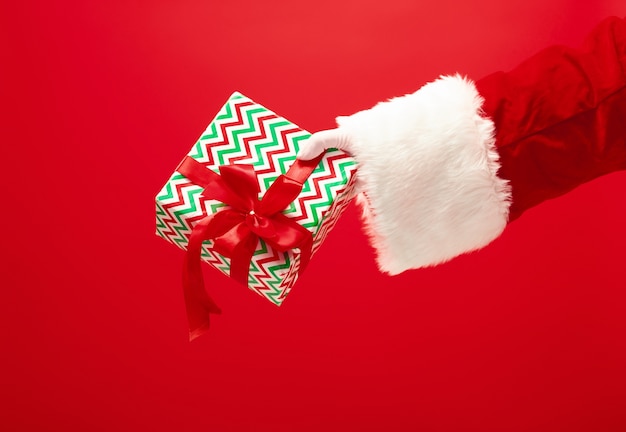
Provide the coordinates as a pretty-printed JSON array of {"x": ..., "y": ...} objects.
[{"x": 235, "y": 178}]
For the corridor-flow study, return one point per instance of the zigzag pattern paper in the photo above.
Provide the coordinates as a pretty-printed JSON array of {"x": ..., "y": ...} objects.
[{"x": 246, "y": 132}]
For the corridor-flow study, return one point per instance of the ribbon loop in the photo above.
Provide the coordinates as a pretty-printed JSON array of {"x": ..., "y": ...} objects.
[{"x": 242, "y": 184}]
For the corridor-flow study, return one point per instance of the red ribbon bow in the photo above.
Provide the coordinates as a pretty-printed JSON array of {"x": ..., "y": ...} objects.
[{"x": 236, "y": 229}]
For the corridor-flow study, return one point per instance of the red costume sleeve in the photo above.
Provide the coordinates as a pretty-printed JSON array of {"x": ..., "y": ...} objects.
[{"x": 560, "y": 116}]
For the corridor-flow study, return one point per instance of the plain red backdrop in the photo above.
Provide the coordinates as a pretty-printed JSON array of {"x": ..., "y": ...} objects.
[{"x": 100, "y": 102}]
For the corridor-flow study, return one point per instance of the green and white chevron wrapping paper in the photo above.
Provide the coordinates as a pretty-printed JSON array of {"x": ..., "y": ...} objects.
[{"x": 245, "y": 132}]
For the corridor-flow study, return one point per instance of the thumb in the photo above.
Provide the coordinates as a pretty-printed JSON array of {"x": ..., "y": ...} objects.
[{"x": 323, "y": 140}]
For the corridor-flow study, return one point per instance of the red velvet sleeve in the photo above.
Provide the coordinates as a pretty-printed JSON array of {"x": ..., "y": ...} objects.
[{"x": 560, "y": 116}]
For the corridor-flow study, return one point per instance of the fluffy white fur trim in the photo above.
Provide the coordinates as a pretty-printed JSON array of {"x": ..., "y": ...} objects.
[{"x": 428, "y": 171}]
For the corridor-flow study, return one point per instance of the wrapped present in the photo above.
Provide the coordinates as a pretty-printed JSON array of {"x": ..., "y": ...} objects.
[{"x": 241, "y": 202}]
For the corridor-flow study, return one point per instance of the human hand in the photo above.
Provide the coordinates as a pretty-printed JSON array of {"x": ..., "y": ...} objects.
[{"x": 323, "y": 140}]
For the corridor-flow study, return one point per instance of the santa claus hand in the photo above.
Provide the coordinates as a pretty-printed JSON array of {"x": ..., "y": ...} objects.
[{"x": 320, "y": 141}]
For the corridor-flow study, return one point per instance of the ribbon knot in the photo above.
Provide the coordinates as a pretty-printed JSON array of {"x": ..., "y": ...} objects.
[
  {"x": 261, "y": 225},
  {"x": 236, "y": 228}
]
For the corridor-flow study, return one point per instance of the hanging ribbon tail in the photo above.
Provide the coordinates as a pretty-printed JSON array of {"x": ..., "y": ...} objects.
[
  {"x": 242, "y": 255},
  {"x": 198, "y": 303}
]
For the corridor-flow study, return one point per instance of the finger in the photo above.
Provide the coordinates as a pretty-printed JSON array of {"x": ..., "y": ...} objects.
[
  {"x": 323, "y": 140},
  {"x": 317, "y": 144}
]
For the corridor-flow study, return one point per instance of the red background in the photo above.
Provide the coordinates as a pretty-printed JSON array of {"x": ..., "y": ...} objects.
[{"x": 100, "y": 102}]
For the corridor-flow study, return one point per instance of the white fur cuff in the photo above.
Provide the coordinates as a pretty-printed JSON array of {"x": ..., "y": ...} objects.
[{"x": 428, "y": 168}]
